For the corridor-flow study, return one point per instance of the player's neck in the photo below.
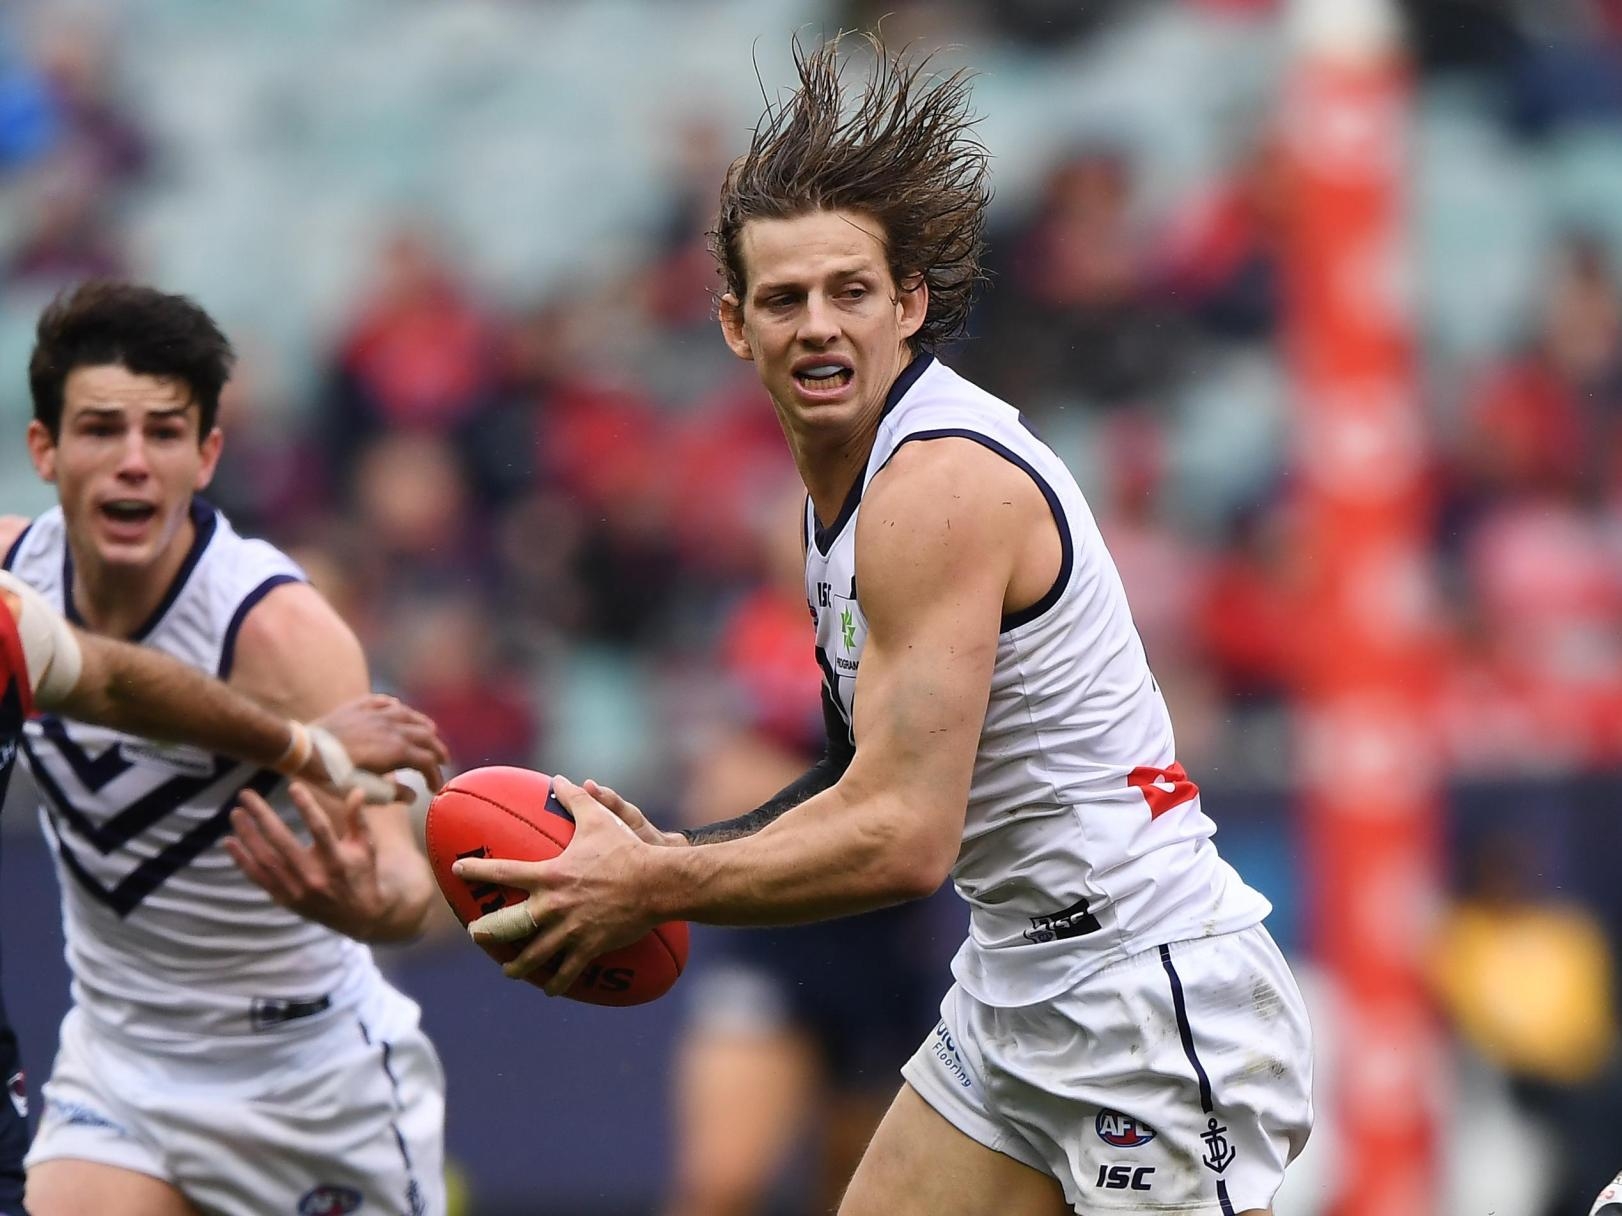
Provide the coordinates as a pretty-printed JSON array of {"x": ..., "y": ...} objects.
[
  {"x": 116, "y": 600},
  {"x": 829, "y": 466}
]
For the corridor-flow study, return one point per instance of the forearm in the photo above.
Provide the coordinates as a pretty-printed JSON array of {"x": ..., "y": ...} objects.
[
  {"x": 143, "y": 692},
  {"x": 837, "y": 853},
  {"x": 407, "y": 886},
  {"x": 821, "y": 776}
]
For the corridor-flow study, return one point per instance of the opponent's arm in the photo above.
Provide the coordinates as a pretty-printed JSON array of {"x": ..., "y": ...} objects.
[
  {"x": 144, "y": 692},
  {"x": 363, "y": 875},
  {"x": 820, "y": 776}
]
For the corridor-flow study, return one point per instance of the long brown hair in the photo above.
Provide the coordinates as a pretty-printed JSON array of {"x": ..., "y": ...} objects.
[{"x": 905, "y": 153}]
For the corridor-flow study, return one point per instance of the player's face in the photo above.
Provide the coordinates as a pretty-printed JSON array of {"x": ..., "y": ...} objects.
[
  {"x": 126, "y": 463},
  {"x": 821, "y": 318}
]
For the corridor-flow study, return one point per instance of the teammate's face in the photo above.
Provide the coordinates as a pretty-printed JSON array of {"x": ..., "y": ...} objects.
[
  {"x": 821, "y": 318},
  {"x": 126, "y": 463}
]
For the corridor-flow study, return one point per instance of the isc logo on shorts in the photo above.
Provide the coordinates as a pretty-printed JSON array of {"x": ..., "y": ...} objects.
[
  {"x": 330, "y": 1201},
  {"x": 1122, "y": 1131}
]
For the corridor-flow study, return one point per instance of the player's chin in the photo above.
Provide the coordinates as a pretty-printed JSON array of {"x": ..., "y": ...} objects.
[
  {"x": 126, "y": 553},
  {"x": 130, "y": 543}
]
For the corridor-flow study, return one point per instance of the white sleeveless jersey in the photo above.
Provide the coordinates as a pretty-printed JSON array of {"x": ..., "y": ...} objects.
[
  {"x": 170, "y": 945},
  {"x": 1084, "y": 840}
]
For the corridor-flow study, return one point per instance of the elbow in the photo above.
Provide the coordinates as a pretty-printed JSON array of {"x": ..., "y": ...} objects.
[{"x": 918, "y": 870}]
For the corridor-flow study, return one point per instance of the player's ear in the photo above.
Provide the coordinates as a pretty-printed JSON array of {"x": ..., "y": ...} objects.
[
  {"x": 731, "y": 314},
  {"x": 211, "y": 447},
  {"x": 912, "y": 304},
  {"x": 42, "y": 450}
]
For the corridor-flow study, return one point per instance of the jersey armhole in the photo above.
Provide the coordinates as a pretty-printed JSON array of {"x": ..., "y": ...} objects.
[
  {"x": 16, "y": 546},
  {"x": 1067, "y": 554},
  {"x": 228, "y": 645}
]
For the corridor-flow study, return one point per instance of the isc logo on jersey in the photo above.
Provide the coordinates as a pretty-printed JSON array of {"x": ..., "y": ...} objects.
[{"x": 1122, "y": 1131}]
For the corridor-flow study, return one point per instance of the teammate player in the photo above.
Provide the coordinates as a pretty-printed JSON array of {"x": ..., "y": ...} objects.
[
  {"x": 231, "y": 1047},
  {"x": 1123, "y": 1034},
  {"x": 44, "y": 662}
]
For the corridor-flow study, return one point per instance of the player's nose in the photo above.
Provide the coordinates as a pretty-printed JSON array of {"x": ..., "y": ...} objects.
[
  {"x": 819, "y": 322},
  {"x": 133, "y": 459}
]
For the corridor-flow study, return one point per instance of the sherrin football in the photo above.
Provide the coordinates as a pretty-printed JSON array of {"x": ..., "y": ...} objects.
[{"x": 512, "y": 813}]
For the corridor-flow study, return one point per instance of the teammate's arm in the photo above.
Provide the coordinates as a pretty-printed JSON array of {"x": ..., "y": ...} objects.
[
  {"x": 820, "y": 776},
  {"x": 935, "y": 562},
  {"x": 363, "y": 874}
]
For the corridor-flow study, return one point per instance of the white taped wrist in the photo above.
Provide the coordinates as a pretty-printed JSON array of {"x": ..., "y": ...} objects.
[
  {"x": 343, "y": 776},
  {"x": 292, "y": 761}
]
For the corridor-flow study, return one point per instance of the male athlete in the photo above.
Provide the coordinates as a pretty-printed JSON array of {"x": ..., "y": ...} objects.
[
  {"x": 45, "y": 662},
  {"x": 1123, "y": 1035},
  {"x": 232, "y": 1047}
]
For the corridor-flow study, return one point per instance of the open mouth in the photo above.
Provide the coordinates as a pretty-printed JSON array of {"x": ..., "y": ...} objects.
[
  {"x": 127, "y": 511},
  {"x": 822, "y": 377}
]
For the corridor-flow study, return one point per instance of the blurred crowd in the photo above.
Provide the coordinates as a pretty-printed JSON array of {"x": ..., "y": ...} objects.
[
  {"x": 490, "y": 488},
  {"x": 555, "y": 519}
]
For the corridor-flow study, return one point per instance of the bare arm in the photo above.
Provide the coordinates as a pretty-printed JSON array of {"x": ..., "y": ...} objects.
[
  {"x": 295, "y": 654},
  {"x": 934, "y": 565},
  {"x": 144, "y": 692},
  {"x": 938, "y": 568}
]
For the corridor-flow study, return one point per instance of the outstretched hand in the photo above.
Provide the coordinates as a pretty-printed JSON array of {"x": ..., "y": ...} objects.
[
  {"x": 334, "y": 880},
  {"x": 593, "y": 897},
  {"x": 381, "y": 734}
]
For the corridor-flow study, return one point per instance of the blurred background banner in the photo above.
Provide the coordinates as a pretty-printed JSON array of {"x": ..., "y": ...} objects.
[{"x": 1320, "y": 302}]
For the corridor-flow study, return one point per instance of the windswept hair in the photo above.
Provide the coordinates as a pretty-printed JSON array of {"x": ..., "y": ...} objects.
[
  {"x": 146, "y": 331},
  {"x": 902, "y": 151}
]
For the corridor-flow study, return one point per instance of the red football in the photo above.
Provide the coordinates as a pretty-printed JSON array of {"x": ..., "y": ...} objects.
[{"x": 512, "y": 813}]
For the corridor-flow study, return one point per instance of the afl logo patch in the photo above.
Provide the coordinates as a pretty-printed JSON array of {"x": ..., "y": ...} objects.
[
  {"x": 1122, "y": 1131},
  {"x": 330, "y": 1201}
]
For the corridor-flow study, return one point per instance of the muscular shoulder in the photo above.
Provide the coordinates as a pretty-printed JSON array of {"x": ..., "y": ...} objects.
[
  {"x": 296, "y": 654},
  {"x": 952, "y": 494},
  {"x": 945, "y": 522}
]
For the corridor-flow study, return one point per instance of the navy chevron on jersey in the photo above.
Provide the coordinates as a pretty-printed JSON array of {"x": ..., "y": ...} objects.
[
  {"x": 169, "y": 943},
  {"x": 1084, "y": 841}
]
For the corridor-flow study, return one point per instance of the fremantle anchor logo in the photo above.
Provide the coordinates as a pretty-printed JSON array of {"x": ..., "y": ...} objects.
[{"x": 1219, "y": 1154}]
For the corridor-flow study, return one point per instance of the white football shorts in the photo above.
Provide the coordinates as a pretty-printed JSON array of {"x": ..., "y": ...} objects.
[
  {"x": 1175, "y": 1081},
  {"x": 347, "y": 1119}
]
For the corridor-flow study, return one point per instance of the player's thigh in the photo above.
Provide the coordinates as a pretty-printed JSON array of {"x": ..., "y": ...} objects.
[
  {"x": 918, "y": 1164},
  {"x": 741, "y": 1099},
  {"x": 65, "y": 1186},
  {"x": 850, "y": 1118}
]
